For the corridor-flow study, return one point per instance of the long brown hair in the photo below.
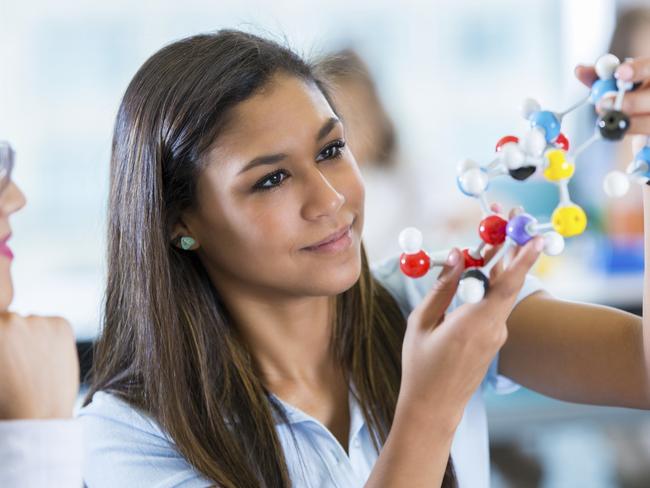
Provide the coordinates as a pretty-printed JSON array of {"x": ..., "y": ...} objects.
[{"x": 168, "y": 345}]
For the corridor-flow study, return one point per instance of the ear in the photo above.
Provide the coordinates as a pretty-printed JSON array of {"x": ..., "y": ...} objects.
[{"x": 181, "y": 230}]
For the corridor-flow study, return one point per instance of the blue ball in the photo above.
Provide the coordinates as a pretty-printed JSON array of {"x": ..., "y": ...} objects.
[
  {"x": 643, "y": 155},
  {"x": 547, "y": 121},
  {"x": 600, "y": 88}
]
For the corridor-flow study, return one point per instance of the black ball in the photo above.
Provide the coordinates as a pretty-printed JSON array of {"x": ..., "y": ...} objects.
[
  {"x": 478, "y": 274},
  {"x": 613, "y": 125},
  {"x": 522, "y": 173}
]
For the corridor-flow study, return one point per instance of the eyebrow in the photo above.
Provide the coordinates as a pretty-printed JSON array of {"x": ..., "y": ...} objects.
[{"x": 274, "y": 158}]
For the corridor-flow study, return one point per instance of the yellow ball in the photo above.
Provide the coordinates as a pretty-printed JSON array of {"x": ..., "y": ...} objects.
[
  {"x": 558, "y": 167},
  {"x": 569, "y": 221}
]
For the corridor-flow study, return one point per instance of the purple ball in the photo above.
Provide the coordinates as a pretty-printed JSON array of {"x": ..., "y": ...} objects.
[{"x": 516, "y": 228}]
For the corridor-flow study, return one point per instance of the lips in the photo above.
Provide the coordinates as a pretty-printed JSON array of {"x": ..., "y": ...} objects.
[
  {"x": 332, "y": 237},
  {"x": 4, "y": 248}
]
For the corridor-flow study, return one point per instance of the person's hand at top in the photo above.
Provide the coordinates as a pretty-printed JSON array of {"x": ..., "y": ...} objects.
[
  {"x": 39, "y": 370},
  {"x": 636, "y": 104}
]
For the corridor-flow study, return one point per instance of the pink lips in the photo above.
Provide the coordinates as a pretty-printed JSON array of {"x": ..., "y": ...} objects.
[
  {"x": 338, "y": 243},
  {"x": 5, "y": 250}
]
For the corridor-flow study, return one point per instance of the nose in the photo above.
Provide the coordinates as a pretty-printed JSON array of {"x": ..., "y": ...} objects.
[
  {"x": 322, "y": 199},
  {"x": 12, "y": 199}
]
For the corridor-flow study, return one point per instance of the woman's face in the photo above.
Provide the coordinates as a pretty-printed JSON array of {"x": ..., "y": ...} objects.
[
  {"x": 279, "y": 180},
  {"x": 11, "y": 200}
]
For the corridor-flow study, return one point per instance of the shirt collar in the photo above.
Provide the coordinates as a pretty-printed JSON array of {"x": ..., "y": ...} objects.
[{"x": 296, "y": 416}]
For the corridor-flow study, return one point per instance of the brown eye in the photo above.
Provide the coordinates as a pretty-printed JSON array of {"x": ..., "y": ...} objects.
[
  {"x": 333, "y": 151},
  {"x": 270, "y": 181}
]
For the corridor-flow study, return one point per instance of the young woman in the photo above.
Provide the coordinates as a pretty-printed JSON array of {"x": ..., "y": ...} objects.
[
  {"x": 246, "y": 342},
  {"x": 40, "y": 444}
]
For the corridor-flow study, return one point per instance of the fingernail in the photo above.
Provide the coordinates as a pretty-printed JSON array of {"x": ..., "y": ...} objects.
[
  {"x": 539, "y": 244},
  {"x": 624, "y": 72},
  {"x": 452, "y": 259}
]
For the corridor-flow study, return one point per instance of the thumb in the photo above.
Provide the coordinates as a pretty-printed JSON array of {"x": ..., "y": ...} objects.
[
  {"x": 432, "y": 308},
  {"x": 586, "y": 74}
]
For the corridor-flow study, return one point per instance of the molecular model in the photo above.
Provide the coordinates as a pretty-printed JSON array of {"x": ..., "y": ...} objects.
[{"x": 543, "y": 148}]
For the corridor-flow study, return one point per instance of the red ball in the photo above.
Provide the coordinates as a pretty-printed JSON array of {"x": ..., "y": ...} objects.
[
  {"x": 505, "y": 140},
  {"x": 472, "y": 262},
  {"x": 562, "y": 142},
  {"x": 415, "y": 265},
  {"x": 493, "y": 230}
]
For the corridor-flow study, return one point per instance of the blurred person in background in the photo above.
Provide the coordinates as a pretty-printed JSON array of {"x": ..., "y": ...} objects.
[
  {"x": 631, "y": 39},
  {"x": 40, "y": 443}
]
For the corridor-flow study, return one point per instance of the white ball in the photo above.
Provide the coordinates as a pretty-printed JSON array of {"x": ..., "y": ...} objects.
[
  {"x": 616, "y": 184},
  {"x": 465, "y": 165},
  {"x": 512, "y": 156},
  {"x": 528, "y": 106},
  {"x": 410, "y": 240},
  {"x": 474, "y": 181},
  {"x": 470, "y": 290},
  {"x": 534, "y": 142},
  {"x": 606, "y": 65},
  {"x": 553, "y": 243}
]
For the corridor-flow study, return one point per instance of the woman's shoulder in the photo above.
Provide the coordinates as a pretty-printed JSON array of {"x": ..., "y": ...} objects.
[{"x": 125, "y": 447}]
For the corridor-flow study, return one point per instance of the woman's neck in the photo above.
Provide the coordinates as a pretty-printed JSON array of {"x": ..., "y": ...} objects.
[{"x": 290, "y": 341}]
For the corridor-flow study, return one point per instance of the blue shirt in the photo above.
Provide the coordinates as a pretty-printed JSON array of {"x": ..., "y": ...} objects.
[
  {"x": 126, "y": 448},
  {"x": 36, "y": 453}
]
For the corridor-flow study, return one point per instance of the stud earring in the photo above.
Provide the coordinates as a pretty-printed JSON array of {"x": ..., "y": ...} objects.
[{"x": 187, "y": 242}]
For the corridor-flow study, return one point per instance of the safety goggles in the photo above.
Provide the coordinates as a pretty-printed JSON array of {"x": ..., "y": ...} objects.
[{"x": 7, "y": 156}]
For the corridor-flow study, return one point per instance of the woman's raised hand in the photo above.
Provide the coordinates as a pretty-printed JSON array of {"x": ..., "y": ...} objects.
[
  {"x": 636, "y": 104},
  {"x": 445, "y": 357}
]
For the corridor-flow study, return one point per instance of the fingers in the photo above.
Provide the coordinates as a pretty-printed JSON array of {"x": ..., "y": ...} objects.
[
  {"x": 637, "y": 69},
  {"x": 639, "y": 124},
  {"x": 510, "y": 283},
  {"x": 515, "y": 211},
  {"x": 636, "y": 102},
  {"x": 586, "y": 74},
  {"x": 428, "y": 313},
  {"x": 496, "y": 207},
  {"x": 489, "y": 251}
]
